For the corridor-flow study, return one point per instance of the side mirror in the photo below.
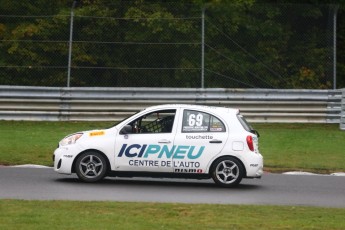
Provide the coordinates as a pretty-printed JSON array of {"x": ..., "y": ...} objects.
[{"x": 127, "y": 129}]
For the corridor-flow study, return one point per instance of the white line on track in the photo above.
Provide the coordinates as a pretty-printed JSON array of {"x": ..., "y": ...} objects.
[
  {"x": 286, "y": 173},
  {"x": 30, "y": 166},
  {"x": 309, "y": 173}
]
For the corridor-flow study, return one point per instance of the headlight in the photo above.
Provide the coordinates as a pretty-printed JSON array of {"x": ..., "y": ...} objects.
[{"x": 71, "y": 139}]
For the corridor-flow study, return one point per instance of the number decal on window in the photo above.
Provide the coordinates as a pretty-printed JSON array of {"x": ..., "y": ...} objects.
[
  {"x": 199, "y": 119},
  {"x": 191, "y": 120},
  {"x": 195, "y": 120}
]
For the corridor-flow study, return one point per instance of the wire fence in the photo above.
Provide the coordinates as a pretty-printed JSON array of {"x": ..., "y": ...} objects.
[{"x": 140, "y": 45}]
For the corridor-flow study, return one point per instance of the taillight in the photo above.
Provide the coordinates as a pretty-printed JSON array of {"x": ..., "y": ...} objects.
[{"x": 250, "y": 143}]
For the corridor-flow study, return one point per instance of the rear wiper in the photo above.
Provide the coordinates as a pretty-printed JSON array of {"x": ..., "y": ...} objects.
[{"x": 254, "y": 131}]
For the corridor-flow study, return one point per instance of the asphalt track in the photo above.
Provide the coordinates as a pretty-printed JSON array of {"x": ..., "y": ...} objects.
[{"x": 272, "y": 189}]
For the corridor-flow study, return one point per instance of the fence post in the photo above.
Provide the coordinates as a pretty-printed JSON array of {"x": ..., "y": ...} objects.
[
  {"x": 336, "y": 7},
  {"x": 70, "y": 45},
  {"x": 203, "y": 48},
  {"x": 342, "y": 113}
]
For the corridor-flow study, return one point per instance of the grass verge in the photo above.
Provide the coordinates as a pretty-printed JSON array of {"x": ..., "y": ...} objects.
[
  {"x": 285, "y": 147},
  {"x": 26, "y": 142},
  {"x": 310, "y": 147},
  {"x": 18, "y": 214}
]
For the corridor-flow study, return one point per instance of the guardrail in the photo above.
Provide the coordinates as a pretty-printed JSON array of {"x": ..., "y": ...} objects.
[
  {"x": 113, "y": 104},
  {"x": 342, "y": 116}
]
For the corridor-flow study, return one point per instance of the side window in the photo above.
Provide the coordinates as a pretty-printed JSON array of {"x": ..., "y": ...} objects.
[
  {"x": 196, "y": 121},
  {"x": 244, "y": 123},
  {"x": 160, "y": 121}
]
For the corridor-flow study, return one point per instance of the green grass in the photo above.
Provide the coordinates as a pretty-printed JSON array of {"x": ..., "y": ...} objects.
[
  {"x": 25, "y": 142},
  {"x": 18, "y": 214},
  {"x": 310, "y": 147}
]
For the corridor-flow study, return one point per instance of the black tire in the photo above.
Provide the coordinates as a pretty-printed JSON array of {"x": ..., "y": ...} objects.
[
  {"x": 91, "y": 166},
  {"x": 227, "y": 172}
]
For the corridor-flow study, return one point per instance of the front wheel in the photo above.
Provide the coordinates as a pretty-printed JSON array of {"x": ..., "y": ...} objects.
[
  {"x": 227, "y": 172},
  {"x": 91, "y": 166}
]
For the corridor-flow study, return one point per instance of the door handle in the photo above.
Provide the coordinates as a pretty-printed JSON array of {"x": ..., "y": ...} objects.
[
  {"x": 164, "y": 141},
  {"x": 216, "y": 141}
]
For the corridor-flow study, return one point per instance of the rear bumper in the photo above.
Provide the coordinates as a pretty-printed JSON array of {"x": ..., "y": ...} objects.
[{"x": 255, "y": 167}]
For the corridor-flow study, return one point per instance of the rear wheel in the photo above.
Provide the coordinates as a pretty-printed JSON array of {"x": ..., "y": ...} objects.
[
  {"x": 91, "y": 166},
  {"x": 227, "y": 172}
]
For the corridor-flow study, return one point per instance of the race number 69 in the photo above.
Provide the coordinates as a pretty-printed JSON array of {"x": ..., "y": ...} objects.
[{"x": 195, "y": 120}]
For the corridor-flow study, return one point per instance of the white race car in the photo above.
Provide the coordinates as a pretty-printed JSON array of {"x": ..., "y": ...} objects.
[{"x": 188, "y": 141}]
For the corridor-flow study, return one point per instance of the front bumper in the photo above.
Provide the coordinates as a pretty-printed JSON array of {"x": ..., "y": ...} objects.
[{"x": 64, "y": 158}]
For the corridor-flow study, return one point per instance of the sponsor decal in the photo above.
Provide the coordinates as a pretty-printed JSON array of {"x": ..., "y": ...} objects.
[
  {"x": 144, "y": 163},
  {"x": 188, "y": 164},
  {"x": 188, "y": 170},
  {"x": 158, "y": 151},
  {"x": 216, "y": 129},
  {"x": 181, "y": 156},
  {"x": 96, "y": 133}
]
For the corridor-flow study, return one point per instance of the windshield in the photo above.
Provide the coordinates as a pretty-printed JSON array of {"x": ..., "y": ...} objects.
[{"x": 124, "y": 119}]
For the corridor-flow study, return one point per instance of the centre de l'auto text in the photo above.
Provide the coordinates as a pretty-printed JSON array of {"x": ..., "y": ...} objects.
[{"x": 149, "y": 153}]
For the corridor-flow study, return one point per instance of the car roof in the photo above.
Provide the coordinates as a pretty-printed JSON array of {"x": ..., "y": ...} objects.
[{"x": 197, "y": 107}]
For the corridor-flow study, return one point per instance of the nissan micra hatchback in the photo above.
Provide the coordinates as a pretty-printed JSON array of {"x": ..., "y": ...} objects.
[{"x": 181, "y": 141}]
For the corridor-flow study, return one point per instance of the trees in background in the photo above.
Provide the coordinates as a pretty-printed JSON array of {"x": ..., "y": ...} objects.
[{"x": 158, "y": 44}]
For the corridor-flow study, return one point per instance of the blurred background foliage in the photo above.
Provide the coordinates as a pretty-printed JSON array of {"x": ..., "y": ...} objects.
[{"x": 247, "y": 43}]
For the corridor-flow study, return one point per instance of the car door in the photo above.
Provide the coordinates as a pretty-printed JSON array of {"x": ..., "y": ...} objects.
[
  {"x": 146, "y": 143},
  {"x": 202, "y": 136}
]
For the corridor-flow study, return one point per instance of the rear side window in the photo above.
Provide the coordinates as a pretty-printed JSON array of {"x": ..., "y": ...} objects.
[
  {"x": 196, "y": 121},
  {"x": 244, "y": 123}
]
